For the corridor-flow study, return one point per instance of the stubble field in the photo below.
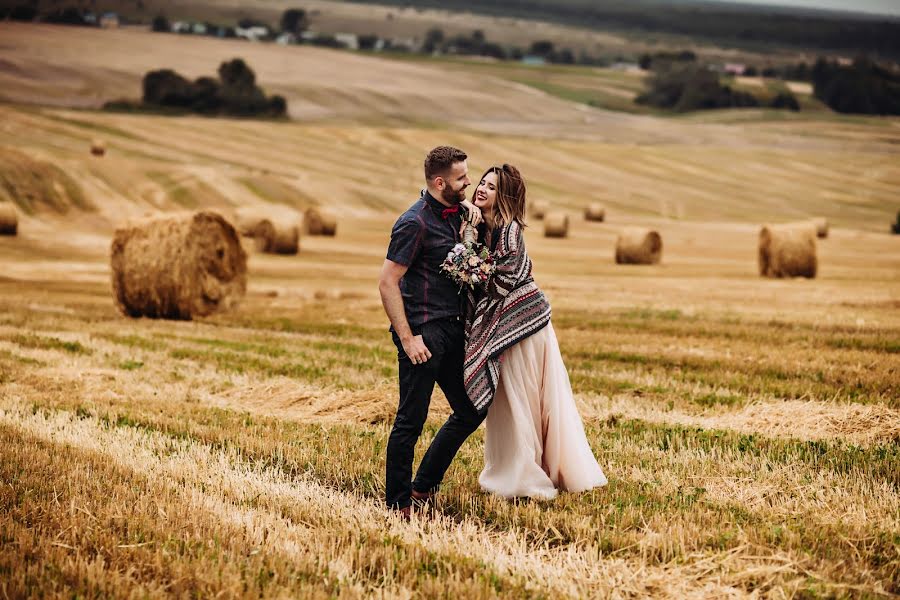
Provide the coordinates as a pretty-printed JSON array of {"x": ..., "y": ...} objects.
[{"x": 750, "y": 428}]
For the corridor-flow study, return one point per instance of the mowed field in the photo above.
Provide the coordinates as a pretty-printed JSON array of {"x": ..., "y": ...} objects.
[{"x": 750, "y": 428}]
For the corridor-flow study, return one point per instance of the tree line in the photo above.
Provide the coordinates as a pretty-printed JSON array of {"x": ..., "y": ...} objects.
[
  {"x": 736, "y": 26},
  {"x": 234, "y": 93}
]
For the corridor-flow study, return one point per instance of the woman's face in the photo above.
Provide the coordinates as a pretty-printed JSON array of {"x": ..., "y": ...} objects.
[{"x": 486, "y": 192}]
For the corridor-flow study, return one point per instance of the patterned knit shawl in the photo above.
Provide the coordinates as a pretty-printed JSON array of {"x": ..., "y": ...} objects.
[{"x": 510, "y": 309}]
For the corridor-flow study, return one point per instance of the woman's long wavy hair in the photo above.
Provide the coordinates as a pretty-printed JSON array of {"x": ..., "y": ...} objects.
[{"x": 510, "y": 203}]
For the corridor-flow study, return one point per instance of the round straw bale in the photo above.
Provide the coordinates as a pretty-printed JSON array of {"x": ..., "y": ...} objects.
[
  {"x": 595, "y": 212},
  {"x": 788, "y": 250},
  {"x": 556, "y": 224},
  {"x": 539, "y": 208},
  {"x": 821, "y": 224},
  {"x": 319, "y": 222},
  {"x": 9, "y": 219},
  {"x": 98, "y": 147},
  {"x": 276, "y": 237},
  {"x": 247, "y": 220},
  {"x": 638, "y": 246},
  {"x": 178, "y": 267}
]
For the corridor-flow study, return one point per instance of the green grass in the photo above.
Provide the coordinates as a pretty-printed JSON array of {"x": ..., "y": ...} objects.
[{"x": 49, "y": 343}]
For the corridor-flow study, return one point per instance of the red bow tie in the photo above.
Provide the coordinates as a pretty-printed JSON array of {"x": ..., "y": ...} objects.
[{"x": 450, "y": 211}]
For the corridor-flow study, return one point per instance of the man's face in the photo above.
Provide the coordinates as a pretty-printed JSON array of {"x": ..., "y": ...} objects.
[{"x": 453, "y": 186}]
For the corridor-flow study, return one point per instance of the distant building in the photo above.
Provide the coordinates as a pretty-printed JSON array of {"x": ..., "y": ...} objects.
[
  {"x": 90, "y": 18},
  {"x": 254, "y": 34},
  {"x": 198, "y": 28},
  {"x": 349, "y": 40},
  {"x": 181, "y": 27},
  {"x": 530, "y": 59},
  {"x": 628, "y": 67},
  {"x": 734, "y": 68},
  {"x": 109, "y": 20},
  {"x": 286, "y": 39}
]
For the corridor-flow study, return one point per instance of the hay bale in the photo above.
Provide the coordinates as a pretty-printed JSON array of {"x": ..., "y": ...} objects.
[
  {"x": 539, "y": 208},
  {"x": 638, "y": 246},
  {"x": 277, "y": 237},
  {"x": 595, "y": 212},
  {"x": 556, "y": 224},
  {"x": 821, "y": 225},
  {"x": 788, "y": 250},
  {"x": 178, "y": 267},
  {"x": 98, "y": 147},
  {"x": 247, "y": 220},
  {"x": 319, "y": 222},
  {"x": 9, "y": 219}
]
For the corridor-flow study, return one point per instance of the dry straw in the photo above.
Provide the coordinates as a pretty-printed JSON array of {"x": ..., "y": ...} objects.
[
  {"x": 556, "y": 224},
  {"x": 319, "y": 222},
  {"x": 277, "y": 237},
  {"x": 98, "y": 147},
  {"x": 595, "y": 212},
  {"x": 788, "y": 250},
  {"x": 539, "y": 208},
  {"x": 9, "y": 219},
  {"x": 178, "y": 267},
  {"x": 246, "y": 220},
  {"x": 638, "y": 246},
  {"x": 821, "y": 224}
]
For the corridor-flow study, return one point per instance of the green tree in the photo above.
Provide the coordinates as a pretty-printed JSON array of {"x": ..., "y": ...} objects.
[
  {"x": 160, "y": 24},
  {"x": 293, "y": 20}
]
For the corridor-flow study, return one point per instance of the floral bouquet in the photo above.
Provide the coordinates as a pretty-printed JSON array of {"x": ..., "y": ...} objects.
[{"x": 469, "y": 263}]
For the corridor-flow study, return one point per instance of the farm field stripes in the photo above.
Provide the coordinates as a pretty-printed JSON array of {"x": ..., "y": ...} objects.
[
  {"x": 717, "y": 487},
  {"x": 635, "y": 516},
  {"x": 700, "y": 181}
]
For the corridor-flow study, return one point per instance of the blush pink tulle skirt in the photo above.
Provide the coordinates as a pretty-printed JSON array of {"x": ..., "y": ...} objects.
[{"x": 535, "y": 443}]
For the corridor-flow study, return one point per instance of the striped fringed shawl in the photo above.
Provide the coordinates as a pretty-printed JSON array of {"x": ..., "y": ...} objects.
[{"x": 510, "y": 308}]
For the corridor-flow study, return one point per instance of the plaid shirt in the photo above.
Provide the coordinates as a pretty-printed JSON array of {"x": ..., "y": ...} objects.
[{"x": 420, "y": 240}]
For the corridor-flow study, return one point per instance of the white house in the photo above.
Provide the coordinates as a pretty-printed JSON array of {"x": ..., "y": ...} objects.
[
  {"x": 286, "y": 39},
  {"x": 254, "y": 34},
  {"x": 349, "y": 40},
  {"x": 109, "y": 20}
]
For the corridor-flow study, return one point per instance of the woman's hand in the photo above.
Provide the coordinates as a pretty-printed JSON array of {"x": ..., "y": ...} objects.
[{"x": 474, "y": 213}]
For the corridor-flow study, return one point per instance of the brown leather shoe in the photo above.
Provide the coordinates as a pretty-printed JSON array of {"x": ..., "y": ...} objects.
[
  {"x": 423, "y": 496},
  {"x": 423, "y": 501}
]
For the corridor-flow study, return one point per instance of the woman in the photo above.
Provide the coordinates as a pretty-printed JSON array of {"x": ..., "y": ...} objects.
[{"x": 535, "y": 443}]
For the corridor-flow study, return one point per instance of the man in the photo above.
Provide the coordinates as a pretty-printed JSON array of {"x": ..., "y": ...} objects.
[{"x": 423, "y": 306}]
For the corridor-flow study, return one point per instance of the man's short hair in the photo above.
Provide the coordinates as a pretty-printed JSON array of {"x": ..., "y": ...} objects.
[{"x": 441, "y": 159}]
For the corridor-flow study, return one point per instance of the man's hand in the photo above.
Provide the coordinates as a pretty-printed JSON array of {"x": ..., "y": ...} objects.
[{"x": 416, "y": 349}]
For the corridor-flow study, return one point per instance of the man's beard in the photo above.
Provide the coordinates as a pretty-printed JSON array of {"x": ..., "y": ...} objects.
[{"x": 453, "y": 196}]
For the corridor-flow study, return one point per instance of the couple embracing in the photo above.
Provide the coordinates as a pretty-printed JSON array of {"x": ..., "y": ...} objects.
[{"x": 492, "y": 350}]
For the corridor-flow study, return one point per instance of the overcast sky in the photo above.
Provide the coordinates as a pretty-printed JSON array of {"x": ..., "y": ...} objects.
[{"x": 884, "y": 7}]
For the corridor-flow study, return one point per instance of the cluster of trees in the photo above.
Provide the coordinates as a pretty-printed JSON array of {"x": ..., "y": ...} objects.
[
  {"x": 60, "y": 15},
  {"x": 734, "y": 25},
  {"x": 647, "y": 61},
  {"x": 864, "y": 87},
  {"x": 799, "y": 72},
  {"x": 476, "y": 44},
  {"x": 234, "y": 93},
  {"x": 685, "y": 86}
]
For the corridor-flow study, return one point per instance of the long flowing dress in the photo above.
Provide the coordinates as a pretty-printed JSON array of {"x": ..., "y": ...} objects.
[{"x": 535, "y": 442}]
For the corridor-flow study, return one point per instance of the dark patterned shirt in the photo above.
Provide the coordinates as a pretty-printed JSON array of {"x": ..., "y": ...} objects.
[{"x": 421, "y": 239}]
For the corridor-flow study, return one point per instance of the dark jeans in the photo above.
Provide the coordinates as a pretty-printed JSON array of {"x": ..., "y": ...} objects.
[{"x": 445, "y": 339}]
